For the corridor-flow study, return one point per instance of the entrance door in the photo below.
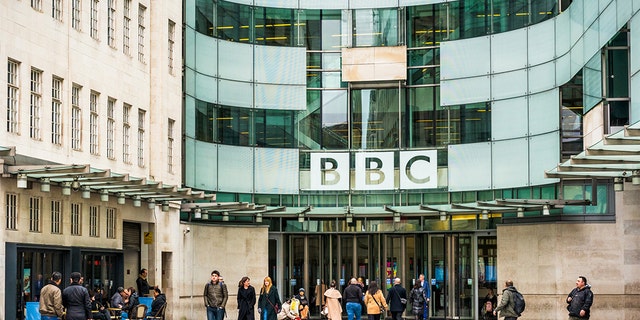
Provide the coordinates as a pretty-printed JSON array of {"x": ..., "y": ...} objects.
[{"x": 452, "y": 278}]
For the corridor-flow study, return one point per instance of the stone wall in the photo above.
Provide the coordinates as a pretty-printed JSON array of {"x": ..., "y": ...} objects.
[{"x": 544, "y": 261}]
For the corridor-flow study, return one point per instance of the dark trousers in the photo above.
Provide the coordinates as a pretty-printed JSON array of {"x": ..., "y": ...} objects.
[
  {"x": 510, "y": 318},
  {"x": 396, "y": 315}
]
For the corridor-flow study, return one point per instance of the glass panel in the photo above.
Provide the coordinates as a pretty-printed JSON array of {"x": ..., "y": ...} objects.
[
  {"x": 420, "y": 117},
  {"x": 375, "y": 27},
  {"x": 297, "y": 266},
  {"x": 470, "y": 123},
  {"x": 275, "y": 128},
  {"x": 438, "y": 265},
  {"x": 468, "y": 90},
  {"x": 310, "y": 132},
  {"x": 509, "y": 51},
  {"x": 487, "y": 271},
  {"x": 562, "y": 34},
  {"x": 464, "y": 285},
  {"x": 426, "y": 25},
  {"x": 603, "y": 200},
  {"x": 544, "y": 111},
  {"x": 205, "y": 116},
  {"x": 592, "y": 82},
  {"x": 230, "y": 54},
  {"x": 206, "y": 88},
  {"x": 321, "y": 29},
  {"x": 276, "y": 173},
  {"x": 393, "y": 260},
  {"x": 424, "y": 57},
  {"x": 235, "y": 93},
  {"x": 233, "y": 21},
  {"x": 509, "y": 15},
  {"x": 475, "y": 18},
  {"x": 274, "y": 26},
  {"x": 469, "y": 166},
  {"x": 542, "y": 77},
  {"x": 335, "y": 129},
  {"x": 618, "y": 113},
  {"x": 509, "y": 118},
  {"x": 280, "y": 65},
  {"x": 362, "y": 258},
  {"x": 618, "y": 73},
  {"x": 510, "y": 163},
  {"x": 332, "y": 80},
  {"x": 206, "y": 53},
  {"x": 346, "y": 259},
  {"x": 375, "y": 118},
  {"x": 205, "y": 166},
  {"x": 576, "y": 11},
  {"x": 234, "y": 125},
  {"x": 509, "y": 84},
  {"x": 542, "y": 10},
  {"x": 471, "y": 57}
]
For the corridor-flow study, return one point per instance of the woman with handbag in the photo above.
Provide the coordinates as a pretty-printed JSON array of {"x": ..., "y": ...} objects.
[
  {"x": 269, "y": 301},
  {"x": 375, "y": 302},
  {"x": 333, "y": 305}
]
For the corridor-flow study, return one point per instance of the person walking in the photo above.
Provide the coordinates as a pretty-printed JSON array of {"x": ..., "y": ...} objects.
[
  {"x": 395, "y": 298},
  {"x": 579, "y": 300},
  {"x": 51, "y": 299},
  {"x": 416, "y": 296},
  {"x": 333, "y": 303},
  {"x": 375, "y": 302},
  {"x": 426, "y": 289},
  {"x": 215, "y": 297},
  {"x": 353, "y": 297},
  {"x": 76, "y": 299},
  {"x": 507, "y": 302},
  {"x": 269, "y": 302},
  {"x": 246, "y": 299}
]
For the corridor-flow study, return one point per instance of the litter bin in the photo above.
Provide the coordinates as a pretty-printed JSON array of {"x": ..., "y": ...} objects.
[{"x": 33, "y": 310}]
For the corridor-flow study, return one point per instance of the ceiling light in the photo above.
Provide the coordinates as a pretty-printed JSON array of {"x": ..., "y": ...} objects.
[
  {"x": 618, "y": 184},
  {"x": 165, "y": 206},
  {"x": 151, "y": 204},
  {"x": 545, "y": 210},
  {"x": 104, "y": 195},
  {"x": 22, "y": 181},
  {"x": 258, "y": 217},
  {"x": 205, "y": 215},
  {"x": 349, "y": 217},
  {"x": 225, "y": 216},
  {"x": 45, "y": 185},
  {"x": 396, "y": 217},
  {"x": 86, "y": 192},
  {"x": 121, "y": 198},
  {"x": 485, "y": 215},
  {"x": 443, "y": 216},
  {"x": 136, "y": 201},
  {"x": 635, "y": 178},
  {"x": 75, "y": 185},
  {"x": 197, "y": 213},
  {"x": 520, "y": 212},
  {"x": 66, "y": 188},
  {"x": 301, "y": 217}
]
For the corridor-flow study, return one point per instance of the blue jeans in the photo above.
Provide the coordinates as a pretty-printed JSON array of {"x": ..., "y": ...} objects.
[
  {"x": 48, "y": 318},
  {"x": 215, "y": 313},
  {"x": 354, "y": 309}
]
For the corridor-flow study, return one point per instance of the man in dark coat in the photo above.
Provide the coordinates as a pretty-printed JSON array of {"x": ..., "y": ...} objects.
[
  {"x": 75, "y": 298},
  {"x": 394, "y": 299},
  {"x": 580, "y": 300},
  {"x": 352, "y": 296},
  {"x": 159, "y": 300}
]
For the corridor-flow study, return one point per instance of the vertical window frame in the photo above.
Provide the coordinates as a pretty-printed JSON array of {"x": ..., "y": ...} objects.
[
  {"x": 56, "y": 110},
  {"x": 126, "y": 27},
  {"x": 171, "y": 45},
  {"x": 76, "y": 14},
  {"x": 141, "y": 137},
  {"x": 111, "y": 223},
  {"x": 56, "y": 9},
  {"x": 126, "y": 133},
  {"x": 111, "y": 128},
  {"x": 76, "y": 118},
  {"x": 142, "y": 11},
  {"x": 35, "y": 104},
  {"x": 111, "y": 23},
  {"x": 35, "y": 214},
  {"x": 95, "y": 20},
  {"x": 56, "y": 217},
  {"x": 76, "y": 219},
  {"x": 13, "y": 96},
  {"x": 11, "y": 211},
  {"x": 94, "y": 221},
  {"x": 94, "y": 123},
  {"x": 170, "y": 141}
]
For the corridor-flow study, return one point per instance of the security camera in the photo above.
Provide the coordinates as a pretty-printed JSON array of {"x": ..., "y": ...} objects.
[{"x": 187, "y": 230}]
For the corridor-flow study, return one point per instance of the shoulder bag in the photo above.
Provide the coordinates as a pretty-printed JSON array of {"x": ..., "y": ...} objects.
[{"x": 402, "y": 300}]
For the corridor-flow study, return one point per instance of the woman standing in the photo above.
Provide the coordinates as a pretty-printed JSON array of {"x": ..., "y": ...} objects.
[
  {"x": 246, "y": 299},
  {"x": 375, "y": 302},
  {"x": 269, "y": 302},
  {"x": 332, "y": 301},
  {"x": 417, "y": 301}
]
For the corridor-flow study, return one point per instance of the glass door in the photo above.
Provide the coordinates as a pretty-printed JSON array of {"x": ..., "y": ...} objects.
[{"x": 452, "y": 277}]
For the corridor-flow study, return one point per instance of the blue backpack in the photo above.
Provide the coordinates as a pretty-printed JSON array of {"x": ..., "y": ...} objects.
[{"x": 519, "y": 304}]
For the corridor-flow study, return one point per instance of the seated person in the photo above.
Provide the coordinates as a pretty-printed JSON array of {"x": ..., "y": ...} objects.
[
  {"x": 98, "y": 311},
  {"x": 304, "y": 304},
  {"x": 130, "y": 302},
  {"x": 159, "y": 300}
]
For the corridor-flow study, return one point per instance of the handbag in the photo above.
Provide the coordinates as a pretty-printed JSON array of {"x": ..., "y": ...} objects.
[
  {"x": 325, "y": 311},
  {"x": 382, "y": 310},
  {"x": 402, "y": 300}
]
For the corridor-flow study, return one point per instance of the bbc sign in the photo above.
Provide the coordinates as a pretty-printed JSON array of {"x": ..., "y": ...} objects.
[{"x": 374, "y": 170}]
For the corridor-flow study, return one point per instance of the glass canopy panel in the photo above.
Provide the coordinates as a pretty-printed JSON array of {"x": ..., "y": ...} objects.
[{"x": 375, "y": 118}]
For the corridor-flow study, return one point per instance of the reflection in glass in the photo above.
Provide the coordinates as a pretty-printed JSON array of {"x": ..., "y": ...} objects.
[
  {"x": 234, "y": 126},
  {"x": 464, "y": 124},
  {"x": 375, "y": 118},
  {"x": 274, "y": 26},
  {"x": 321, "y": 29},
  {"x": 427, "y": 25},
  {"x": 335, "y": 128},
  {"x": 310, "y": 132},
  {"x": 205, "y": 113},
  {"x": 275, "y": 128},
  {"x": 419, "y": 119},
  {"x": 204, "y": 16},
  {"x": 233, "y": 22},
  {"x": 375, "y": 27}
]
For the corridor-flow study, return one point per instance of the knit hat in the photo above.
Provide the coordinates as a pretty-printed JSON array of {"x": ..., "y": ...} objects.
[{"x": 301, "y": 290}]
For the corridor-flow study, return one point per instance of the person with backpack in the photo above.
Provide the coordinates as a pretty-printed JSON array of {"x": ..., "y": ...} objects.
[{"x": 507, "y": 306}]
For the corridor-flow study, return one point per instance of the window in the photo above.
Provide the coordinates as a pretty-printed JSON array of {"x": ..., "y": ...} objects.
[
  {"x": 126, "y": 27},
  {"x": 56, "y": 111},
  {"x": 56, "y": 9},
  {"x": 126, "y": 133},
  {"x": 34, "y": 214},
  {"x": 76, "y": 11},
  {"x": 111, "y": 128},
  {"x": 76, "y": 118},
  {"x": 11, "y": 208},
  {"x": 93, "y": 123},
  {"x": 94, "y": 19},
  {"x": 35, "y": 104},
  {"x": 170, "y": 145},
  {"x": 141, "y": 115},
  {"x": 111, "y": 223},
  {"x": 141, "y": 30},
  {"x": 13, "y": 93},
  {"x": 56, "y": 217},
  {"x": 36, "y": 5},
  {"x": 172, "y": 36},
  {"x": 94, "y": 221},
  {"x": 111, "y": 22},
  {"x": 76, "y": 219}
]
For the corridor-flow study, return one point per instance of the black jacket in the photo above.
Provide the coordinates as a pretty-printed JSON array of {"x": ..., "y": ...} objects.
[
  {"x": 157, "y": 303},
  {"x": 393, "y": 298},
  {"x": 352, "y": 293},
  {"x": 581, "y": 299},
  {"x": 130, "y": 306},
  {"x": 77, "y": 301}
]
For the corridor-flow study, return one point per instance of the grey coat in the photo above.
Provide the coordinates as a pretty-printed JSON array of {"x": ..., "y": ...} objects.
[{"x": 507, "y": 303}]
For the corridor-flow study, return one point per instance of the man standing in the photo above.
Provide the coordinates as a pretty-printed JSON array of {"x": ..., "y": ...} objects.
[
  {"x": 38, "y": 287},
  {"x": 426, "y": 287},
  {"x": 51, "y": 299},
  {"x": 215, "y": 297},
  {"x": 397, "y": 299},
  {"x": 352, "y": 295},
  {"x": 580, "y": 300},
  {"x": 142, "y": 283},
  {"x": 76, "y": 299},
  {"x": 507, "y": 303}
]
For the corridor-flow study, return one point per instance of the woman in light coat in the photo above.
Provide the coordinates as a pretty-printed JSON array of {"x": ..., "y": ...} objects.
[
  {"x": 332, "y": 301},
  {"x": 375, "y": 301}
]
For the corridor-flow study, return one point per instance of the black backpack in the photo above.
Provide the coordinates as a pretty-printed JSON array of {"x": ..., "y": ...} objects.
[{"x": 518, "y": 303}]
